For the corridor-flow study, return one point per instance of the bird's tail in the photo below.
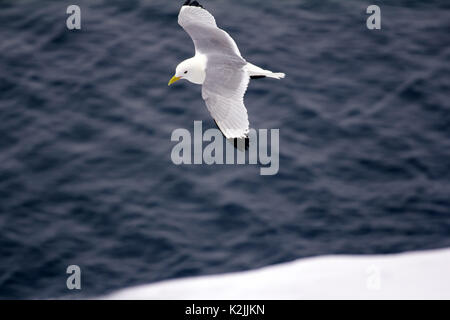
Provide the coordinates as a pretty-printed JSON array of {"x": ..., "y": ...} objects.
[
  {"x": 276, "y": 75},
  {"x": 256, "y": 72}
]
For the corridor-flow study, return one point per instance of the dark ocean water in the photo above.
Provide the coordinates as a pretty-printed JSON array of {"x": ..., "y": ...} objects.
[{"x": 86, "y": 118}]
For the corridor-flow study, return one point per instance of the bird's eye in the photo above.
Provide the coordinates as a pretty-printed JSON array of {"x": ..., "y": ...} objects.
[{"x": 185, "y": 72}]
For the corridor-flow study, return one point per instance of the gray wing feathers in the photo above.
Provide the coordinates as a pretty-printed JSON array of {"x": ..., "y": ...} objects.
[
  {"x": 195, "y": 15},
  {"x": 202, "y": 28},
  {"x": 226, "y": 80},
  {"x": 223, "y": 92}
]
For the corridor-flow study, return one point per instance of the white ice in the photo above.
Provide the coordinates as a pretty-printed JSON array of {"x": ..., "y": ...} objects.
[{"x": 413, "y": 275}]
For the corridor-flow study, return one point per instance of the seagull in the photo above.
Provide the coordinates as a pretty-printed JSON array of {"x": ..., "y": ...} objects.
[{"x": 220, "y": 68}]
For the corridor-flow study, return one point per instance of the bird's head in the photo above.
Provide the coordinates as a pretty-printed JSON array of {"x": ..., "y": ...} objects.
[{"x": 191, "y": 69}]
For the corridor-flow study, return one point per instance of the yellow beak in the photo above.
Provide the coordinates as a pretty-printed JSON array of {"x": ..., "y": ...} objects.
[{"x": 174, "y": 79}]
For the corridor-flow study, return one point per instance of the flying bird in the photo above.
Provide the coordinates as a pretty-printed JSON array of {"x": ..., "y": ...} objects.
[{"x": 220, "y": 68}]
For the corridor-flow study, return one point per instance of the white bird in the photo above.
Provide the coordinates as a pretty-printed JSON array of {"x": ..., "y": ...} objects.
[{"x": 219, "y": 67}]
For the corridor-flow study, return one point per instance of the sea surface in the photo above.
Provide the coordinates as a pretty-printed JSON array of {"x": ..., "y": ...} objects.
[{"x": 86, "y": 118}]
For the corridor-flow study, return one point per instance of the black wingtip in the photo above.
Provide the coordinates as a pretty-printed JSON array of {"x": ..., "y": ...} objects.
[
  {"x": 257, "y": 77},
  {"x": 239, "y": 143},
  {"x": 192, "y": 4},
  {"x": 236, "y": 141}
]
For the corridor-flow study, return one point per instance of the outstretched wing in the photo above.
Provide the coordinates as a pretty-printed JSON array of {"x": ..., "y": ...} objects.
[
  {"x": 202, "y": 28},
  {"x": 223, "y": 91},
  {"x": 226, "y": 81}
]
